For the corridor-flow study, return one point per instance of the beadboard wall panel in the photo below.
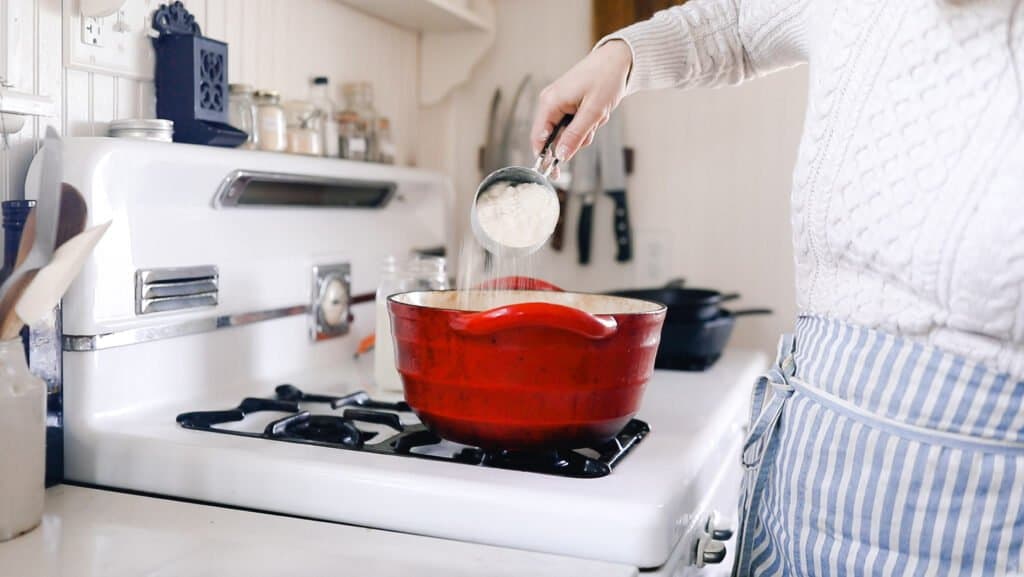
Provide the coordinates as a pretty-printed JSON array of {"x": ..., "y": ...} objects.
[
  {"x": 273, "y": 44},
  {"x": 30, "y": 38}
]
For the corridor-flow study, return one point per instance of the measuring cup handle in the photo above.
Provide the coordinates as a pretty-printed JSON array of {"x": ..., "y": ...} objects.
[{"x": 554, "y": 133}]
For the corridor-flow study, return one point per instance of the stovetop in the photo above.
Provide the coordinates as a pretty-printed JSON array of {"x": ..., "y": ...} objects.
[{"x": 357, "y": 422}]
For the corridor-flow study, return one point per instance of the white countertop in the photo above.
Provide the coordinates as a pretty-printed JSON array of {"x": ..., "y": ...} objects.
[{"x": 90, "y": 532}]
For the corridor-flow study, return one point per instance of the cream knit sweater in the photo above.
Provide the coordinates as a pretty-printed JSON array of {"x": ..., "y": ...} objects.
[{"x": 908, "y": 195}]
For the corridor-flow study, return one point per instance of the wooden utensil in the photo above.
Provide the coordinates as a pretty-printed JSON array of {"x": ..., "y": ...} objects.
[
  {"x": 45, "y": 212},
  {"x": 11, "y": 324},
  {"x": 73, "y": 212},
  {"x": 53, "y": 280}
]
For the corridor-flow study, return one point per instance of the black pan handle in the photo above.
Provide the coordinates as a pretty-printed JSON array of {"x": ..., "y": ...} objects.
[
  {"x": 746, "y": 312},
  {"x": 729, "y": 297},
  {"x": 620, "y": 224},
  {"x": 584, "y": 231}
]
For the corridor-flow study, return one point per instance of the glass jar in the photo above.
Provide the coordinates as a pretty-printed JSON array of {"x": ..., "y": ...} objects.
[
  {"x": 428, "y": 273},
  {"x": 382, "y": 148},
  {"x": 392, "y": 281},
  {"x": 270, "y": 121},
  {"x": 357, "y": 120},
  {"x": 242, "y": 111},
  {"x": 303, "y": 128},
  {"x": 22, "y": 442},
  {"x": 319, "y": 96},
  {"x": 417, "y": 273}
]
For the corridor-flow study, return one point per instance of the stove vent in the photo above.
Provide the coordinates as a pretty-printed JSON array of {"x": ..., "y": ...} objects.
[{"x": 160, "y": 290}]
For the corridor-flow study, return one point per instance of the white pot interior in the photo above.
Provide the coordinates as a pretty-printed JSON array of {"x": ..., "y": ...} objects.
[{"x": 481, "y": 300}]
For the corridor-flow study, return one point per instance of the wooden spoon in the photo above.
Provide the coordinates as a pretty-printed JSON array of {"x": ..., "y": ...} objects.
[
  {"x": 53, "y": 280},
  {"x": 73, "y": 212},
  {"x": 11, "y": 325},
  {"x": 71, "y": 222}
]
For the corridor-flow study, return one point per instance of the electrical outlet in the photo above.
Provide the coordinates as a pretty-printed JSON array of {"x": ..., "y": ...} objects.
[
  {"x": 116, "y": 45},
  {"x": 653, "y": 255},
  {"x": 92, "y": 31}
]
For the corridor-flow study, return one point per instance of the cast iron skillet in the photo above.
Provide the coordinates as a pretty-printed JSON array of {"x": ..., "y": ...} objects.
[
  {"x": 696, "y": 345},
  {"x": 684, "y": 304}
]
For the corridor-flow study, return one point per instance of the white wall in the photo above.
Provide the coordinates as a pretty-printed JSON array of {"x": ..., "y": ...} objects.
[
  {"x": 273, "y": 44},
  {"x": 710, "y": 195}
]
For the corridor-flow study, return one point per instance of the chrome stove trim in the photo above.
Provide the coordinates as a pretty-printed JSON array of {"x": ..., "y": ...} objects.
[
  {"x": 83, "y": 343},
  {"x": 233, "y": 185}
]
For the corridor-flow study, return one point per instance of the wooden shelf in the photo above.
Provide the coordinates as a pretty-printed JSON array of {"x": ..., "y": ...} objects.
[{"x": 431, "y": 16}]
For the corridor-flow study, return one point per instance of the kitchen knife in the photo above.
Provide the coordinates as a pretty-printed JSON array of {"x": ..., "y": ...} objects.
[
  {"x": 515, "y": 142},
  {"x": 613, "y": 182},
  {"x": 492, "y": 152},
  {"x": 585, "y": 182}
]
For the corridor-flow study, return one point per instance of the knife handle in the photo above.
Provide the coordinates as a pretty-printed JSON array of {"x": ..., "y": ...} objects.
[
  {"x": 623, "y": 234},
  {"x": 558, "y": 236},
  {"x": 584, "y": 231}
]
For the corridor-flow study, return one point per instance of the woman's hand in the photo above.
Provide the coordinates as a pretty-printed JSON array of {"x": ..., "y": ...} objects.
[{"x": 591, "y": 90}]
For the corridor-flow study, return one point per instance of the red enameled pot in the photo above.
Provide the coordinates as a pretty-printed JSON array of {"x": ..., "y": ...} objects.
[{"x": 524, "y": 369}]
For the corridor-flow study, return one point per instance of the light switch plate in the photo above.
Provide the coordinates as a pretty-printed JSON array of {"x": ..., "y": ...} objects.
[{"x": 124, "y": 46}]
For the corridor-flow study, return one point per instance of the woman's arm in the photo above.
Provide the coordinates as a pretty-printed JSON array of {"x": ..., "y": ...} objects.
[
  {"x": 714, "y": 43},
  {"x": 701, "y": 43}
]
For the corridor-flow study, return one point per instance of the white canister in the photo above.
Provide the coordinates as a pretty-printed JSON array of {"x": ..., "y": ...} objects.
[{"x": 22, "y": 443}]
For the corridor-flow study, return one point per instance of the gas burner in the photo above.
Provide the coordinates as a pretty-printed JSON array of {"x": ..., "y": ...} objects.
[
  {"x": 327, "y": 430},
  {"x": 344, "y": 423}
]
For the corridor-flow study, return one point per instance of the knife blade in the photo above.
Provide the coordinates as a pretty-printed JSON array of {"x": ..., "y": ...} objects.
[
  {"x": 613, "y": 182},
  {"x": 585, "y": 181}
]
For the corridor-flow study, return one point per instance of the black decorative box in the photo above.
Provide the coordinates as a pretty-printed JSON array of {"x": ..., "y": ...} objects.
[{"x": 192, "y": 80}]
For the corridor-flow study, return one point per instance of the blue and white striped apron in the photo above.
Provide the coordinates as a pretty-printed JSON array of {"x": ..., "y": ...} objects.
[{"x": 870, "y": 454}]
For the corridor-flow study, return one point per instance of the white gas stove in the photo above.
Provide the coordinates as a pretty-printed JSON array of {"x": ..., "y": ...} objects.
[{"x": 223, "y": 285}]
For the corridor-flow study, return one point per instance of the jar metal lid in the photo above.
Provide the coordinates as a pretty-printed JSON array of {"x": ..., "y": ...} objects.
[{"x": 143, "y": 124}]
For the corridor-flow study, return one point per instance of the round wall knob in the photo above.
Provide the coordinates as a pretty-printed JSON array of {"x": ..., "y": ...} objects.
[{"x": 334, "y": 300}]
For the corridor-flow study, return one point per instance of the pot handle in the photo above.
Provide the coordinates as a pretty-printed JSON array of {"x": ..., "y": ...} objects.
[
  {"x": 746, "y": 312},
  {"x": 546, "y": 315}
]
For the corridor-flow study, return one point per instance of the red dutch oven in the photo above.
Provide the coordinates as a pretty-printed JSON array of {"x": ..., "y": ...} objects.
[{"x": 524, "y": 369}]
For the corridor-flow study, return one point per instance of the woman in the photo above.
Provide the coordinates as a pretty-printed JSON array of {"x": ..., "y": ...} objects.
[{"x": 889, "y": 440}]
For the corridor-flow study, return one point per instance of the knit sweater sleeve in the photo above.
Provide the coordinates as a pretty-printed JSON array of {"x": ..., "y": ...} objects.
[{"x": 715, "y": 42}]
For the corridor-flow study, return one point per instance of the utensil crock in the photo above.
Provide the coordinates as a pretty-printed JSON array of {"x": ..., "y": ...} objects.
[{"x": 22, "y": 442}]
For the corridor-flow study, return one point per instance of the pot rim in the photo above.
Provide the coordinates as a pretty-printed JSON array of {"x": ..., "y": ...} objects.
[{"x": 655, "y": 309}]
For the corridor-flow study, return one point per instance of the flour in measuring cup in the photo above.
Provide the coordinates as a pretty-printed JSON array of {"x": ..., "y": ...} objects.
[{"x": 517, "y": 216}]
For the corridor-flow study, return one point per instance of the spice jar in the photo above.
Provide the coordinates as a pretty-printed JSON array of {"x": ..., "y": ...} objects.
[
  {"x": 242, "y": 112},
  {"x": 382, "y": 148},
  {"x": 304, "y": 135},
  {"x": 319, "y": 96},
  {"x": 356, "y": 121},
  {"x": 270, "y": 121}
]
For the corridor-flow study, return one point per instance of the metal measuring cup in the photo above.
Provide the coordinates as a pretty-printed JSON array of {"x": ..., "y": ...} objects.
[{"x": 513, "y": 176}]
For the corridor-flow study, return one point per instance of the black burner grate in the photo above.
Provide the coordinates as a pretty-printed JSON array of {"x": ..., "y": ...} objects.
[{"x": 341, "y": 429}]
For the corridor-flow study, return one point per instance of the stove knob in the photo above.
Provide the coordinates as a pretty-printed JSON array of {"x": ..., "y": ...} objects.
[
  {"x": 719, "y": 526},
  {"x": 330, "y": 301},
  {"x": 334, "y": 302},
  {"x": 709, "y": 551}
]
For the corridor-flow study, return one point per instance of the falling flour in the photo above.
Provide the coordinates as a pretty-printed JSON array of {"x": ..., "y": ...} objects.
[{"x": 517, "y": 216}]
